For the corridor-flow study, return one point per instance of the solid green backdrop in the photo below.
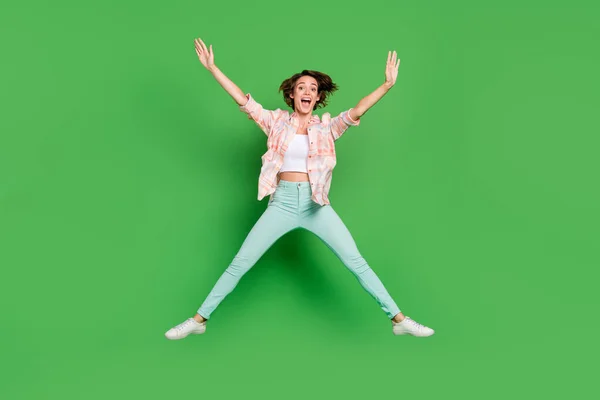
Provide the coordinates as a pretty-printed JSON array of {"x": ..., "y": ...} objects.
[{"x": 129, "y": 180}]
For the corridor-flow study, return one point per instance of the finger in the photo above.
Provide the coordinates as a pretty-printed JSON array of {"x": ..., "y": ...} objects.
[
  {"x": 211, "y": 51},
  {"x": 389, "y": 56},
  {"x": 394, "y": 55},
  {"x": 197, "y": 45},
  {"x": 203, "y": 45}
]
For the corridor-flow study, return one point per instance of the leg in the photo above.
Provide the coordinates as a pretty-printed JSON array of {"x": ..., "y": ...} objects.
[
  {"x": 273, "y": 224},
  {"x": 327, "y": 225}
]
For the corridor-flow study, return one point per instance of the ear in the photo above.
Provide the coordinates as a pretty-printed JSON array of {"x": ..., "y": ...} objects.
[{"x": 291, "y": 96}]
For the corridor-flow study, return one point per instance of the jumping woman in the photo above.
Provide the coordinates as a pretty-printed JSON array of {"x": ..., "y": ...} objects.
[{"x": 296, "y": 174}]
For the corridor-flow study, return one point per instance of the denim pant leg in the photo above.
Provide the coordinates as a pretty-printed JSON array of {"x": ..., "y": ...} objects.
[
  {"x": 275, "y": 222},
  {"x": 327, "y": 225}
]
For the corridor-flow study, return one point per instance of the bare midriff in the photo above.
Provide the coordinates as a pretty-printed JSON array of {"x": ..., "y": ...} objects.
[{"x": 293, "y": 176}]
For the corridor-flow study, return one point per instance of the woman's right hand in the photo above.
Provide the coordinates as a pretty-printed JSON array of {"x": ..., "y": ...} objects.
[{"x": 206, "y": 56}]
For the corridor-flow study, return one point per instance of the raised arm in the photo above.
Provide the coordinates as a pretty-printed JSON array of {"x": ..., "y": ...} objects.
[
  {"x": 207, "y": 58},
  {"x": 391, "y": 73}
]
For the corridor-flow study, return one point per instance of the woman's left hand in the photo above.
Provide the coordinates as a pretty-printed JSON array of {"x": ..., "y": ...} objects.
[{"x": 391, "y": 69}]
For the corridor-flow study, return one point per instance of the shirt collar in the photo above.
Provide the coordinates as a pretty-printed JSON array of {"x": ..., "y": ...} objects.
[{"x": 314, "y": 119}]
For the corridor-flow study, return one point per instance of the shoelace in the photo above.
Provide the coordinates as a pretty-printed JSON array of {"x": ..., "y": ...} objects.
[
  {"x": 183, "y": 325},
  {"x": 415, "y": 324}
]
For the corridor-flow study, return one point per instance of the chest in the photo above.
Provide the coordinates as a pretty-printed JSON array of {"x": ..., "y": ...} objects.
[
  {"x": 320, "y": 140},
  {"x": 302, "y": 130}
]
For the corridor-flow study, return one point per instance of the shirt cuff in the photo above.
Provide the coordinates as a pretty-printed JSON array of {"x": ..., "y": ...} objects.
[
  {"x": 347, "y": 119},
  {"x": 250, "y": 105}
]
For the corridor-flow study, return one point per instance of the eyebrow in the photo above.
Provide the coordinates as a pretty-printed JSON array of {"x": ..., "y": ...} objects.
[{"x": 312, "y": 83}]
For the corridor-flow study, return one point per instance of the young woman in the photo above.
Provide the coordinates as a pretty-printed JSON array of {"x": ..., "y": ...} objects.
[{"x": 296, "y": 173}]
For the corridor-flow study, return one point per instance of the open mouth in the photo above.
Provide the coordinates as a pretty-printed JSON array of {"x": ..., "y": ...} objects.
[{"x": 305, "y": 102}]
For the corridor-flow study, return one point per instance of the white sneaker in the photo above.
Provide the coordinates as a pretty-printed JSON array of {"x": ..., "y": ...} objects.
[
  {"x": 189, "y": 326},
  {"x": 411, "y": 327}
]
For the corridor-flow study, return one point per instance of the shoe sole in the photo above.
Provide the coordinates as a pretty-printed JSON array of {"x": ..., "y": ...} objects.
[
  {"x": 183, "y": 337},
  {"x": 408, "y": 334}
]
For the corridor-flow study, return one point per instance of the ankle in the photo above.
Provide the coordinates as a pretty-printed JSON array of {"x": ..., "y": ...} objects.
[
  {"x": 199, "y": 318},
  {"x": 398, "y": 318}
]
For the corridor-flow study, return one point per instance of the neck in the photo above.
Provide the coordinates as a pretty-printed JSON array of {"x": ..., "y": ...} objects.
[{"x": 303, "y": 117}]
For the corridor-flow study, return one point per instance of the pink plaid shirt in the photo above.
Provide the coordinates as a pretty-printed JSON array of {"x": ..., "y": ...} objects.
[{"x": 280, "y": 128}]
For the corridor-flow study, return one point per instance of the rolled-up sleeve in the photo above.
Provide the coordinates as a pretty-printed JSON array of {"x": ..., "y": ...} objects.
[
  {"x": 263, "y": 118},
  {"x": 340, "y": 123}
]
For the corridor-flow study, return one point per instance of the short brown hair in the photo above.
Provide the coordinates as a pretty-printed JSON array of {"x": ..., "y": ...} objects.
[{"x": 325, "y": 87}]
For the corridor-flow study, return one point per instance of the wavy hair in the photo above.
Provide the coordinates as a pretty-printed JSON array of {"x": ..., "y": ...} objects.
[{"x": 325, "y": 87}]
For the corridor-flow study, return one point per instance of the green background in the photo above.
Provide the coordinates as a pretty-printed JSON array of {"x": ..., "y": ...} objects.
[{"x": 128, "y": 181}]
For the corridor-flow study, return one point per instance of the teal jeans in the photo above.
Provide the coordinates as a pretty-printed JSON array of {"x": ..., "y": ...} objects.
[{"x": 291, "y": 207}]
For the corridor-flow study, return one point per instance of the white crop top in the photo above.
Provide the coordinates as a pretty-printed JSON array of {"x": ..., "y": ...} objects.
[{"x": 296, "y": 156}]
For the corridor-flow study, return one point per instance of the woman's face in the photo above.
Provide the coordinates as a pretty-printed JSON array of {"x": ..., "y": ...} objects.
[{"x": 305, "y": 94}]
